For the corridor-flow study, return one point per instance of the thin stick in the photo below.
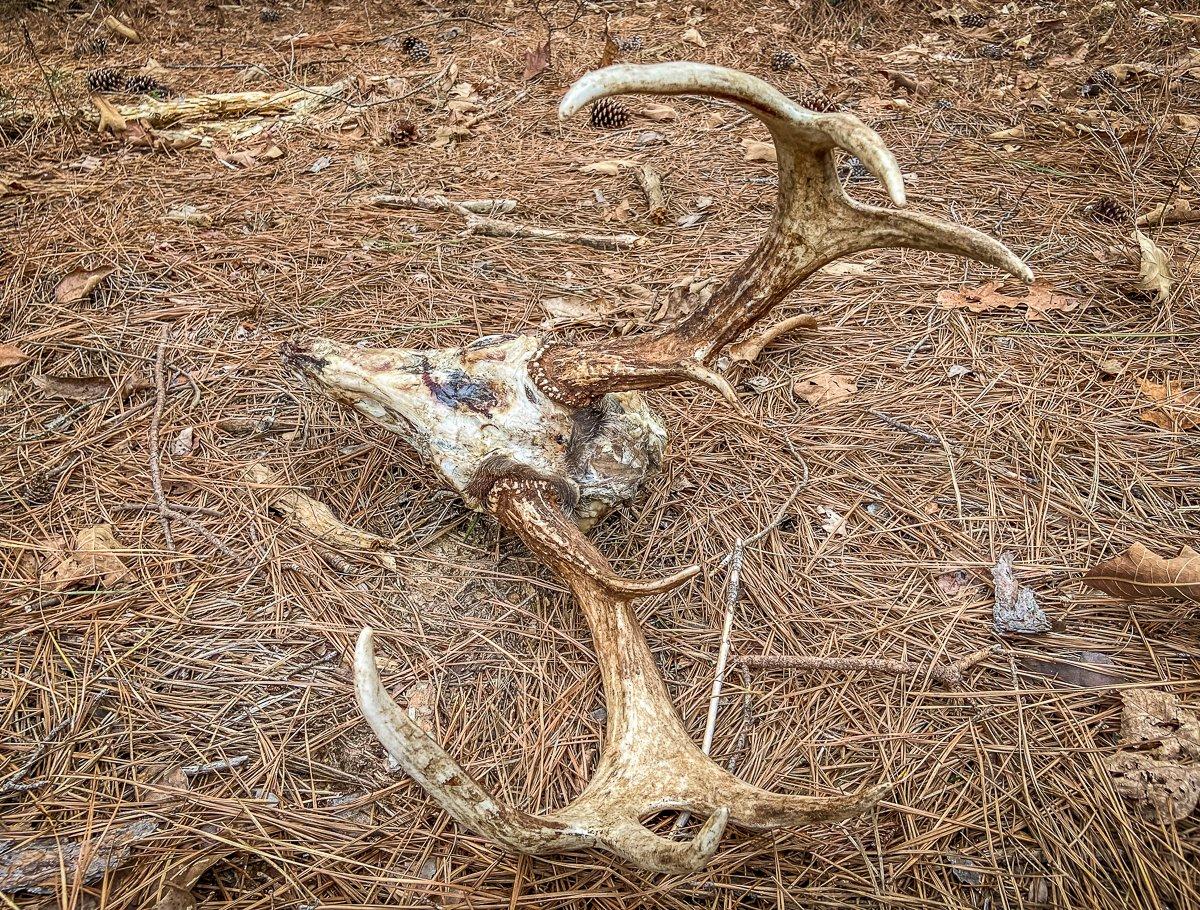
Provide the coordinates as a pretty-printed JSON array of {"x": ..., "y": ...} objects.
[
  {"x": 951, "y": 677},
  {"x": 442, "y": 204},
  {"x": 495, "y": 227},
  {"x": 714, "y": 700},
  {"x": 160, "y": 401}
]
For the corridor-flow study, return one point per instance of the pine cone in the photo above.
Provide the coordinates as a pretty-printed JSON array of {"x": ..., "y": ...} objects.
[
  {"x": 854, "y": 169},
  {"x": 610, "y": 114},
  {"x": 92, "y": 47},
  {"x": 1096, "y": 83},
  {"x": 105, "y": 80},
  {"x": 782, "y": 61},
  {"x": 973, "y": 20},
  {"x": 141, "y": 84},
  {"x": 402, "y": 133},
  {"x": 269, "y": 15},
  {"x": 817, "y": 100},
  {"x": 993, "y": 52},
  {"x": 628, "y": 45},
  {"x": 416, "y": 49},
  {"x": 1107, "y": 210}
]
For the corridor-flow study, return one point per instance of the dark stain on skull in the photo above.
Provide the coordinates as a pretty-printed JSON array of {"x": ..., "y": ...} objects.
[{"x": 458, "y": 390}]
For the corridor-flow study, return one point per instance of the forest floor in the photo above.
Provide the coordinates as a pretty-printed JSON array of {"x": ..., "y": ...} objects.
[{"x": 177, "y": 721}]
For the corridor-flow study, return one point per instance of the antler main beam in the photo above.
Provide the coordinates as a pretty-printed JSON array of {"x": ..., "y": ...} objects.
[
  {"x": 649, "y": 764},
  {"x": 813, "y": 224},
  {"x": 548, "y": 437}
]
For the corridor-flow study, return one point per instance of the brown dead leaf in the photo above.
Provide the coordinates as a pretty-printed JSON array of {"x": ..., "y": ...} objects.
[
  {"x": 609, "y": 55},
  {"x": 1178, "y": 212},
  {"x": 747, "y": 351},
  {"x": 92, "y": 561},
  {"x": 576, "y": 311},
  {"x": 1042, "y": 299},
  {"x": 826, "y": 389},
  {"x": 1016, "y": 132},
  {"x": 537, "y": 59},
  {"x": 1125, "y": 72},
  {"x": 79, "y": 283},
  {"x": 84, "y": 388},
  {"x": 692, "y": 36},
  {"x": 759, "y": 151},
  {"x": 609, "y": 168},
  {"x": 1140, "y": 574},
  {"x": 248, "y": 157},
  {"x": 1157, "y": 766},
  {"x": 954, "y": 583},
  {"x": 317, "y": 518},
  {"x": 1154, "y": 270},
  {"x": 982, "y": 299},
  {"x": 11, "y": 356},
  {"x": 1178, "y": 410},
  {"x": 659, "y": 113}
]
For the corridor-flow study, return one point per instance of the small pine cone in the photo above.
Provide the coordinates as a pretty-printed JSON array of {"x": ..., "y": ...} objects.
[
  {"x": 416, "y": 49},
  {"x": 269, "y": 15},
  {"x": 402, "y": 133},
  {"x": 854, "y": 169},
  {"x": 105, "y": 80},
  {"x": 610, "y": 114},
  {"x": 782, "y": 61},
  {"x": 993, "y": 52},
  {"x": 141, "y": 84},
  {"x": 973, "y": 20},
  {"x": 817, "y": 100},
  {"x": 1107, "y": 210},
  {"x": 92, "y": 47},
  {"x": 628, "y": 45},
  {"x": 1096, "y": 83}
]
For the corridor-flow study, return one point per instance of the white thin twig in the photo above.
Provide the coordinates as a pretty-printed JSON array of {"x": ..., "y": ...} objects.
[{"x": 714, "y": 700}]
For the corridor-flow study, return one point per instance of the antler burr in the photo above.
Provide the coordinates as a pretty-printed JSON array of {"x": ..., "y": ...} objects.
[{"x": 548, "y": 436}]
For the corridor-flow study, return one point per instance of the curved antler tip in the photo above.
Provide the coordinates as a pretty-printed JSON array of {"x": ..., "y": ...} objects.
[
  {"x": 709, "y": 836},
  {"x": 364, "y": 649}
]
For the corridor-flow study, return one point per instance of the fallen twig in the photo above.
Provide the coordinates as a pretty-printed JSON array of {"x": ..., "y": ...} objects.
[
  {"x": 160, "y": 386},
  {"x": 224, "y": 764},
  {"x": 442, "y": 204},
  {"x": 494, "y": 227}
]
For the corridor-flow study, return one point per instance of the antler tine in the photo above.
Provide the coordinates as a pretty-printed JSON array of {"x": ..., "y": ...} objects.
[{"x": 814, "y": 223}]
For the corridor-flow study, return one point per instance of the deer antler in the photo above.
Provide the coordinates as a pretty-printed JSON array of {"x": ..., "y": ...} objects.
[
  {"x": 649, "y": 764},
  {"x": 814, "y": 223},
  {"x": 549, "y": 437}
]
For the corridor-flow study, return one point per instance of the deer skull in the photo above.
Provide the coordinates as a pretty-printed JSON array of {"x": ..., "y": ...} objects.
[{"x": 548, "y": 436}]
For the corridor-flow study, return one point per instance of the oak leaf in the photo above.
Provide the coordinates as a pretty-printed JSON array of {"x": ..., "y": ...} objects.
[
  {"x": 1141, "y": 574},
  {"x": 537, "y": 59},
  {"x": 1157, "y": 766},
  {"x": 93, "y": 560}
]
